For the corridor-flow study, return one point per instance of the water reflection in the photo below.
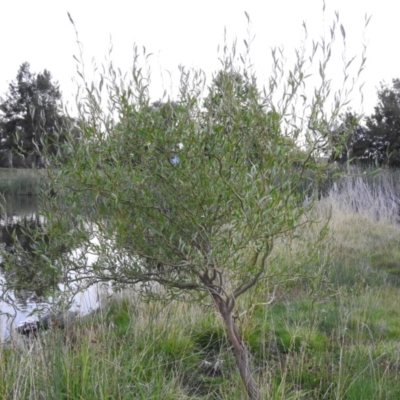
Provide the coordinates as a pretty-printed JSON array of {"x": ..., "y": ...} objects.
[
  {"x": 17, "y": 206},
  {"x": 23, "y": 272}
]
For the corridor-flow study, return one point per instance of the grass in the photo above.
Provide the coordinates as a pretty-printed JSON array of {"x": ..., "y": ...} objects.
[
  {"x": 328, "y": 328},
  {"x": 133, "y": 351}
]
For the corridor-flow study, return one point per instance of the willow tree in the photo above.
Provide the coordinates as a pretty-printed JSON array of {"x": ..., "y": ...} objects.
[{"x": 189, "y": 194}]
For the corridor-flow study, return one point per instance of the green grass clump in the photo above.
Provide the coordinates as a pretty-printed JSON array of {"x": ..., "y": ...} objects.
[
  {"x": 209, "y": 338},
  {"x": 135, "y": 350}
]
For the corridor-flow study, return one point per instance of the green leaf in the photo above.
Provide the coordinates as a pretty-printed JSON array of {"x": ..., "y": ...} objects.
[{"x": 343, "y": 31}]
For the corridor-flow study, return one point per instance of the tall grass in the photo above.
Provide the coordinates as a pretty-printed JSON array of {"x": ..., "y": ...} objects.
[{"x": 364, "y": 226}]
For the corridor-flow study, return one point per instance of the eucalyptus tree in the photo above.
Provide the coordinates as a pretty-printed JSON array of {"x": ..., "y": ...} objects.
[
  {"x": 383, "y": 126},
  {"x": 189, "y": 194},
  {"x": 30, "y": 114},
  {"x": 378, "y": 141}
]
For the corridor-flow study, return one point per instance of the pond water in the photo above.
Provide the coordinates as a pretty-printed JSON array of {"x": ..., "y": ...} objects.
[{"x": 16, "y": 307}]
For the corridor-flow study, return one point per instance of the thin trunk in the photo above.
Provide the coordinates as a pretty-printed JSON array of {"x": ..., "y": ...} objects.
[
  {"x": 242, "y": 358},
  {"x": 240, "y": 351}
]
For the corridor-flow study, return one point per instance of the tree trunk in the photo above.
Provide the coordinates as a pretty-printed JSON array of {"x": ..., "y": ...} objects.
[
  {"x": 10, "y": 158},
  {"x": 240, "y": 351}
]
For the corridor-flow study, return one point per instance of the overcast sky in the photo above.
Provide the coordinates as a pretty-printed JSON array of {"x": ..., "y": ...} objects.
[{"x": 188, "y": 32}]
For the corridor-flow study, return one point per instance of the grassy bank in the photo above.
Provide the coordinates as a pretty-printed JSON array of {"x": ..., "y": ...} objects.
[
  {"x": 320, "y": 326},
  {"x": 19, "y": 181}
]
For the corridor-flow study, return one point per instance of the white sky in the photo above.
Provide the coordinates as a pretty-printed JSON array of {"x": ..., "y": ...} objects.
[{"x": 188, "y": 32}]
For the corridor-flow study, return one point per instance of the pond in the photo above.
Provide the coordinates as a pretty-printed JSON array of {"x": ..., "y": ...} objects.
[{"x": 20, "y": 305}]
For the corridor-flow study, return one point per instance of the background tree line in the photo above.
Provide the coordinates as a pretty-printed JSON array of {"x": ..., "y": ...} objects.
[
  {"x": 32, "y": 120},
  {"x": 377, "y": 141}
]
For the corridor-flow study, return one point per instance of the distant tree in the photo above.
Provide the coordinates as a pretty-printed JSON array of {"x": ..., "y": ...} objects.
[
  {"x": 240, "y": 87},
  {"x": 383, "y": 126},
  {"x": 30, "y": 113},
  {"x": 232, "y": 103},
  {"x": 349, "y": 140},
  {"x": 131, "y": 145}
]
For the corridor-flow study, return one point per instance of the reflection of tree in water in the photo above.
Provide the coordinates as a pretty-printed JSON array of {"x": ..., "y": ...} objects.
[
  {"x": 14, "y": 204},
  {"x": 25, "y": 269}
]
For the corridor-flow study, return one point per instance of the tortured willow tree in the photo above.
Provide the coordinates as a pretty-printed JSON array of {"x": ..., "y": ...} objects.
[{"x": 189, "y": 194}]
